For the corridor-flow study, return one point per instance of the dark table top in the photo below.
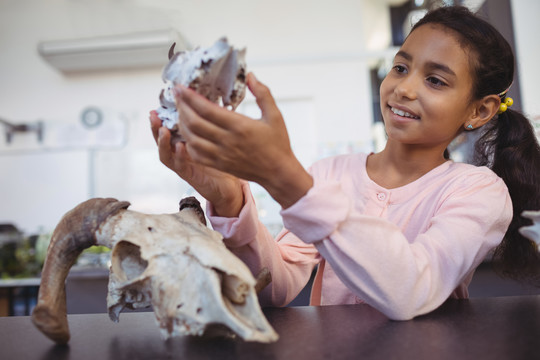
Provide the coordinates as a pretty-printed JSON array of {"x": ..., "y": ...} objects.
[{"x": 481, "y": 328}]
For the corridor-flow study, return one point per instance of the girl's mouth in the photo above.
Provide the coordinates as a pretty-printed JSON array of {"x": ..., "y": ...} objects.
[{"x": 403, "y": 113}]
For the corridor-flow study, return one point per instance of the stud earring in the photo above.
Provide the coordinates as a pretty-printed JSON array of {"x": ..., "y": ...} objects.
[{"x": 469, "y": 127}]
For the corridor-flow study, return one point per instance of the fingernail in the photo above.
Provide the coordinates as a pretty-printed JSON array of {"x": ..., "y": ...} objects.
[{"x": 161, "y": 132}]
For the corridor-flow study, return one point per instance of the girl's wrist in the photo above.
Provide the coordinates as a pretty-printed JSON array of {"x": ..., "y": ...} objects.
[
  {"x": 229, "y": 205},
  {"x": 289, "y": 184}
]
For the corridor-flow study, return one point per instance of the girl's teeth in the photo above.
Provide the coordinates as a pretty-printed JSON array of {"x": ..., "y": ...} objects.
[{"x": 403, "y": 113}]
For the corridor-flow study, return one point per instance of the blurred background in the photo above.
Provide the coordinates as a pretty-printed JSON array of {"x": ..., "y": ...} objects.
[{"x": 79, "y": 77}]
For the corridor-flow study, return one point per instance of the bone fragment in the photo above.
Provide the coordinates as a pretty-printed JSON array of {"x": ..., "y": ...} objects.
[
  {"x": 217, "y": 72},
  {"x": 532, "y": 232}
]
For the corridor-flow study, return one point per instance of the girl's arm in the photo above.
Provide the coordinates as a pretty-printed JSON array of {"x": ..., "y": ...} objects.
[{"x": 289, "y": 260}]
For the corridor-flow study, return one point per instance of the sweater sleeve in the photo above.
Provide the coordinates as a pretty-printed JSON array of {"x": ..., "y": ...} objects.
[
  {"x": 397, "y": 276},
  {"x": 289, "y": 260}
]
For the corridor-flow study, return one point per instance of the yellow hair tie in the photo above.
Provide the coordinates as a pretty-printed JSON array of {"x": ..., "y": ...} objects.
[{"x": 505, "y": 105}]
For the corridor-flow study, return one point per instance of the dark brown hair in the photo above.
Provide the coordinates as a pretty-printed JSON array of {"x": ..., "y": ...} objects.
[{"x": 508, "y": 144}]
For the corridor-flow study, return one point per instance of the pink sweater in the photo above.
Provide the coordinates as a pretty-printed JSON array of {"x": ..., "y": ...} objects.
[{"x": 403, "y": 251}]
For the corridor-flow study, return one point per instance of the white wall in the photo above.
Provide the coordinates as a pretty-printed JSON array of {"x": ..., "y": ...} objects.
[{"x": 314, "y": 55}]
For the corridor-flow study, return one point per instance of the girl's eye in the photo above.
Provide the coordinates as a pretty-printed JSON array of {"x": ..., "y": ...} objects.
[
  {"x": 435, "y": 81},
  {"x": 400, "y": 68}
]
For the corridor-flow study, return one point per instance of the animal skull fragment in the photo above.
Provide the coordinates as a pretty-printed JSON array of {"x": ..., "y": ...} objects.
[
  {"x": 217, "y": 72},
  {"x": 173, "y": 262},
  {"x": 532, "y": 232}
]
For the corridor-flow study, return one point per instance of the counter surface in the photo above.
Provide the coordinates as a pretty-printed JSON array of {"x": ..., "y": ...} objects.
[{"x": 481, "y": 328}]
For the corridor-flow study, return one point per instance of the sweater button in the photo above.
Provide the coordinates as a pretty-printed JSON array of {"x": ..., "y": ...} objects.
[{"x": 381, "y": 196}]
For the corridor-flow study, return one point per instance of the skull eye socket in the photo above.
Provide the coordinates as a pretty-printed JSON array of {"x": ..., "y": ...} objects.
[{"x": 126, "y": 261}]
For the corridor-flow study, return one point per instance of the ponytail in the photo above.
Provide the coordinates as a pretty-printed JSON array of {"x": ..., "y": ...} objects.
[{"x": 510, "y": 148}]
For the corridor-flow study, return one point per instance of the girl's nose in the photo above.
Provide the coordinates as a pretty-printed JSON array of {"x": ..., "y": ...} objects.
[{"x": 406, "y": 88}]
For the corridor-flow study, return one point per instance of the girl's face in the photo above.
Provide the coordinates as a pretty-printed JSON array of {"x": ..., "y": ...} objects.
[{"x": 425, "y": 98}]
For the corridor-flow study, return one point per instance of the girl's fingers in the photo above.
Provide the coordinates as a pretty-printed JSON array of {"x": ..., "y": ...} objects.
[
  {"x": 164, "y": 146},
  {"x": 174, "y": 153},
  {"x": 264, "y": 98},
  {"x": 192, "y": 125},
  {"x": 155, "y": 124},
  {"x": 206, "y": 109},
  {"x": 204, "y": 152}
]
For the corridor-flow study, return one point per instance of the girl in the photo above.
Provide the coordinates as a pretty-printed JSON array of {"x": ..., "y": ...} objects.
[{"x": 401, "y": 230}]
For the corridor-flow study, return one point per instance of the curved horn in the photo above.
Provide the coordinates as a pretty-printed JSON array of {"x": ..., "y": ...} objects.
[
  {"x": 192, "y": 203},
  {"x": 74, "y": 233},
  {"x": 171, "y": 51}
]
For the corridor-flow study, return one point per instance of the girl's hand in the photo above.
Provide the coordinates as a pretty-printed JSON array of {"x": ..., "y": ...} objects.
[
  {"x": 233, "y": 143},
  {"x": 222, "y": 190}
]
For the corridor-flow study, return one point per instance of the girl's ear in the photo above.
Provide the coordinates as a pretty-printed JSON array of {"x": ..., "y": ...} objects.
[{"x": 484, "y": 110}]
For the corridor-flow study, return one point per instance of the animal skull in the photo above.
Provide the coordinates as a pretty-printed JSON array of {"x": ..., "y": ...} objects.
[
  {"x": 217, "y": 72},
  {"x": 532, "y": 232},
  {"x": 173, "y": 262}
]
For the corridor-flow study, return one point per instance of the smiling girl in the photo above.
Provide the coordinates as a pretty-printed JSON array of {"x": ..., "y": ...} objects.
[{"x": 403, "y": 229}]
